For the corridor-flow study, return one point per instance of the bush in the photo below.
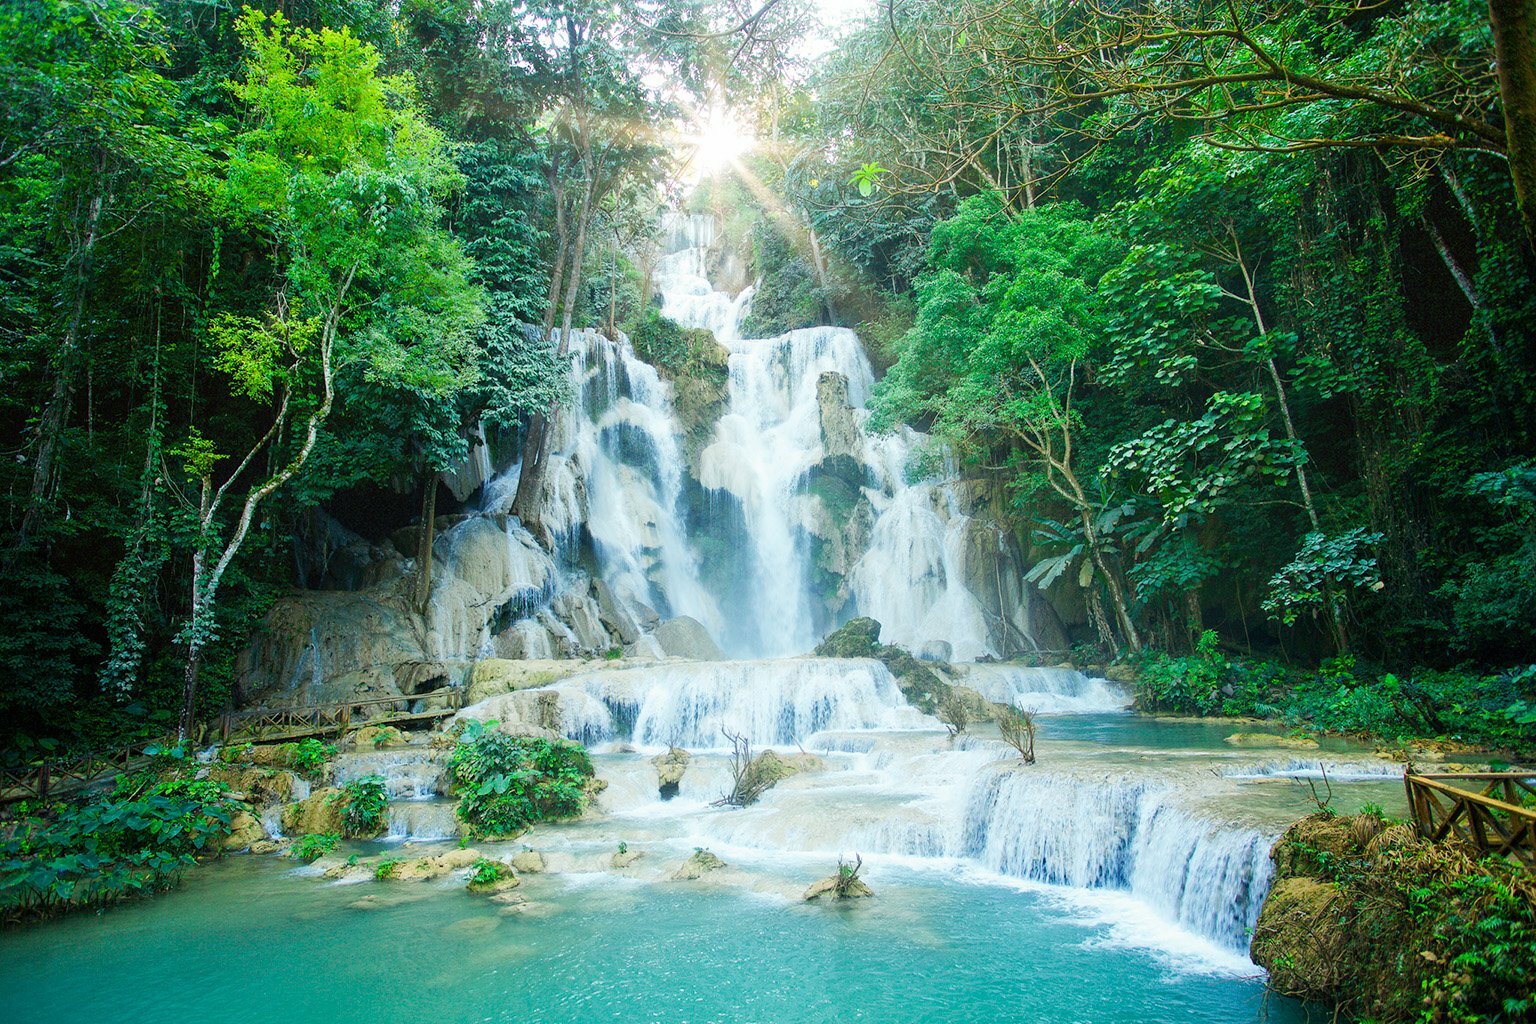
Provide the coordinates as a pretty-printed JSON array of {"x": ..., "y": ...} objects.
[
  {"x": 311, "y": 755},
  {"x": 96, "y": 853},
  {"x": 485, "y": 872},
  {"x": 506, "y": 783},
  {"x": 1190, "y": 685},
  {"x": 366, "y": 806},
  {"x": 314, "y": 845}
]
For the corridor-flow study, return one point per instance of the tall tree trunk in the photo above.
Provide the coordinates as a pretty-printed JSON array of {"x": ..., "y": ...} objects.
[
  {"x": 1514, "y": 48},
  {"x": 55, "y": 416},
  {"x": 424, "y": 538}
]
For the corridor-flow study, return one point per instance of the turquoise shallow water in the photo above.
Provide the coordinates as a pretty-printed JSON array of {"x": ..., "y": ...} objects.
[{"x": 246, "y": 940}]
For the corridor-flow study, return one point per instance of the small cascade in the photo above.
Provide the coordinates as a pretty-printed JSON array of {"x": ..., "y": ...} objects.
[
  {"x": 409, "y": 773},
  {"x": 694, "y": 705},
  {"x": 1120, "y": 834},
  {"x": 1051, "y": 691},
  {"x": 422, "y": 820}
]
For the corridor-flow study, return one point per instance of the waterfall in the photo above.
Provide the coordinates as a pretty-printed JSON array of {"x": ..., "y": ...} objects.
[
  {"x": 1120, "y": 834},
  {"x": 1052, "y": 691},
  {"x": 912, "y": 576}
]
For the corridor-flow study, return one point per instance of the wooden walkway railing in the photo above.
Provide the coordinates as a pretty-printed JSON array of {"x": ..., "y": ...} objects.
[
  {"x": 1491, "y": 818},
  {"x": 274, "y": 724},
  {"x": 57, "y": 777}
]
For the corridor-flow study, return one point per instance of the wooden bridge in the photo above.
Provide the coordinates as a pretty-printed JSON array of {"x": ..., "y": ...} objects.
[
  {"x": 60, "y": 776},
  {"x": 1491, "y": 817}
]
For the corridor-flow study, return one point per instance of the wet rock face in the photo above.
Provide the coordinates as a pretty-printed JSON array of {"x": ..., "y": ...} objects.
[
  {"x": 700, "y": 864},
  {"x": 669, "y": 771},
  {"x": 840, "y": 437},
  {"x": 685, "y": 637}
]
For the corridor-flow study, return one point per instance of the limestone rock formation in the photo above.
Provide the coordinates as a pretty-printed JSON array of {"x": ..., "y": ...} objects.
[
  {"x": 669, "y": 771},
  {"x": 700, "y": 864},
  {"x": 528, "y": 862},
  {"x": 685, "y": 637},
  {"x": 244, "y": 830},
  {"x": 320, "y": 812}
]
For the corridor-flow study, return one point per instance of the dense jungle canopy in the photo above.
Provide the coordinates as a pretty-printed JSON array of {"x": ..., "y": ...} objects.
[{"x": 1234, "y": 300}]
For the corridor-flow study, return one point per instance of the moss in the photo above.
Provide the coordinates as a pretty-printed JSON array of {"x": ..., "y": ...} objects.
[
  {"x": 860, "y": 638},
  {"x": 1365, "y": 915}
]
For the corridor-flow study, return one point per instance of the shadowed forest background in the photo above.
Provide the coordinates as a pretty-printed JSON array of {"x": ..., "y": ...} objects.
[{"x": 1231, "y": 303}]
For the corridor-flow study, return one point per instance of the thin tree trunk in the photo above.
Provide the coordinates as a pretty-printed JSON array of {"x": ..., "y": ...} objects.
[
  {"x": 55, "y": 417},
  {"x": 1514, "y": 48},
  {"x": 424, "y": 539}
]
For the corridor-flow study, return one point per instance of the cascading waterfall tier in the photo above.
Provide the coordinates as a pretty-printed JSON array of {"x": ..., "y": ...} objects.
[{"x": 894, "y": 784}]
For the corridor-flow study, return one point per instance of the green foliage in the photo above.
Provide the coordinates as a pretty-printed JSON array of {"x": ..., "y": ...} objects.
[
  {"x": 1185, "y": 685},
  {"x": 314, "y": 845},
  {"x": 310, "y": 755},
  {"x": 1342, "y": 563},
  {"x": 485, "y": 872},
  {"x": 135, "y": 842},
  {"x": 386, "y": 868},
  {"x": 366, "y": 810},
  {"x": 506, "y": 783}
]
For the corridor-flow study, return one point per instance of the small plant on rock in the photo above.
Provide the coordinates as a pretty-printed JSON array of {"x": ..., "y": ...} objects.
[
  {"x": 366, "y": 810},
  {"x": 315, "y": 845},
  {"x": 310, "y": 755},
  {"x": 485, "y": 873},
  {"x": 954, "y": 714},
  {"x": 1018, "y": 730},
  {"x": 386, "y": 868}
]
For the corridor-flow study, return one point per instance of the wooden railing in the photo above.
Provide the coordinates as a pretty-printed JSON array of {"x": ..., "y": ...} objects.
[
  {"x": 328, "y": 719},
  {"x": 1491, "y": 819},
  {"x": 59, "y": 776},
  {"x": 56, "y": 777}
]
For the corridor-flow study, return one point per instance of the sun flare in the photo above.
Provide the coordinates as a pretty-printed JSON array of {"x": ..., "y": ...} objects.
[{"x": 719, "y": 141}]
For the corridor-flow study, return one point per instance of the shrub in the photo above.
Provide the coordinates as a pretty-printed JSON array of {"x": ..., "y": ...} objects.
[
  {"x": 95, "y": 853},
  {"x": 310, "y": 755},
  {"x": 386, "y": 868},
  {"x": 366, "y": 805},
  {"x": 1190, "y": 685},
  {"x": 505, "y": 783},
  {"x": 486, "y": 872},
  {"x": 315, "y": 845}
]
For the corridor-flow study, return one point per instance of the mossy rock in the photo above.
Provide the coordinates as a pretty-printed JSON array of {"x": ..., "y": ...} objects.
[
  {"x": 321, "y": 812},
  {"x": 857, "y": 638},
  {"x": 700, "y": 864},
  {"x": 1299, "y": 936}
]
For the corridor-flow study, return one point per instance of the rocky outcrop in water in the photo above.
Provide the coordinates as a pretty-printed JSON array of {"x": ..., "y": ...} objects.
[
  {"x": 700, "y": 864},
  {"x": 669, "y": 771},
  {"x": 686, "y": 637},
  {"x": 1369, "y": 918},
  {"x": 860, "y": 638}
]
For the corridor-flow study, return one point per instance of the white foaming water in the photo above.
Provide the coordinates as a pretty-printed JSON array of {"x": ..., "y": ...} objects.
[
  {"x": 892, "y": 784},
  {"x": 694, "y": 705},
  {"x": 1051, "y": 691},
  {"x": 912, "y": 575},
  {"x": 1120, "y": 834},
  {"x": 411, "y": 773}
]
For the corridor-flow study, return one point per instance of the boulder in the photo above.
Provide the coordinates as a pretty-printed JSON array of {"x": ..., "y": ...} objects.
[
  {"x": 245, "y": 830},
  {"x": 857, "y": 638},
  {"x": 840, "y": 434},
  {"x": 320, "y": 813},
  {"x": 528, "y": 862},
  {"x": 685, "y": 637},
  {"x": 257, "y": 786},
  {"x": 378, "y": 737},
  {"x": 614, "y": 615},
  {"x": 1266, "y": 739},
  {"x": 492, "y": 677},
  {"x": 669, "y": 771},
  {"x": 1299, "y": 936},
  {"x": 937, "y": 650},
  {"x": 623, "y": 859},
  {"x": 700, "y": 864},
  {"x": 268, "y": 846},
  {"x": 504, "y": 878},
  {"x": 421, "y": 869}
]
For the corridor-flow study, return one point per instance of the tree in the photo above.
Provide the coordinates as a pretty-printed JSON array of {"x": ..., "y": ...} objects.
[{"x": 337, "y": 170}]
